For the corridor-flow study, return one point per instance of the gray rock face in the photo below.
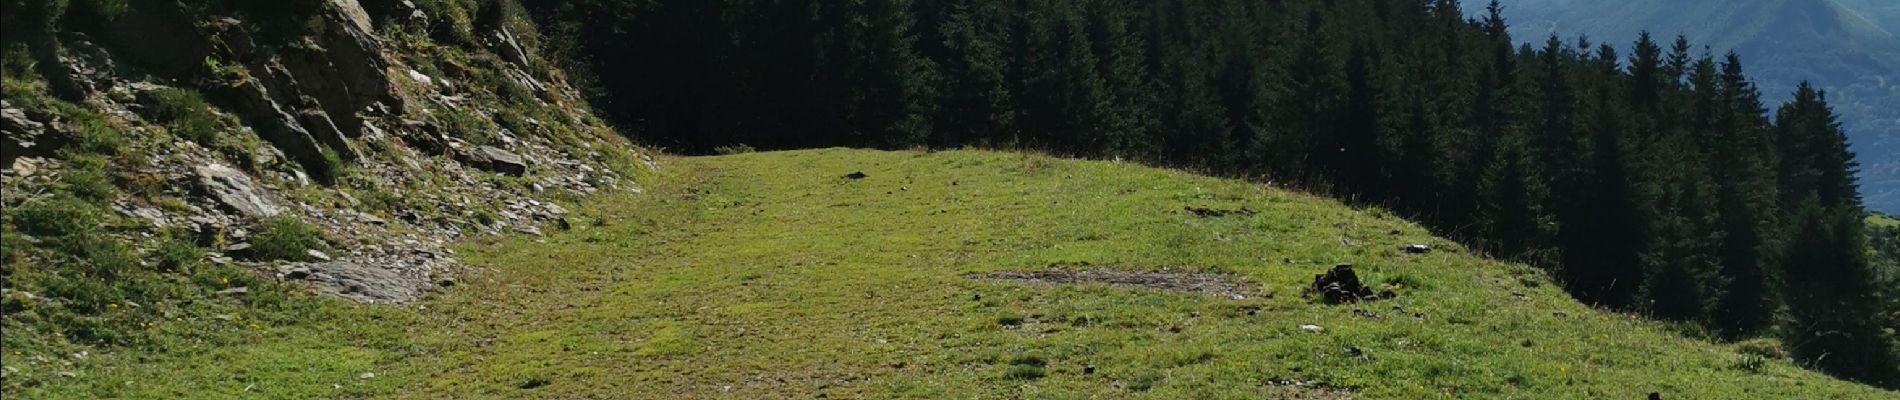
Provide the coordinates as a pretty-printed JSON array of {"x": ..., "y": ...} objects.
[
  {"x": 352, "y": 11},
  {"x": 20, "y": 135},
  {"x": 505, "y": 44},
  {"x": 359, "y": 282},
  {"x": 346, "y": 73},
  {"x": 274, "y": 123},
  {"x": 496, "y": 160},
  {"x": 327, "y": 130},
  {"x": 234, "y": 190}
]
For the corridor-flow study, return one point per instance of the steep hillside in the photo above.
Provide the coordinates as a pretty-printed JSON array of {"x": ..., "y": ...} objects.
[
  {"x": 173, "y": 168},
  {"x": 1785, "y": 42},
  {"x": 966, "y": 274}
]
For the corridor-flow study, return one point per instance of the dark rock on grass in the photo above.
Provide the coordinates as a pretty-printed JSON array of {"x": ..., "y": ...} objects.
[
  {"x": 856, "y": 175},
  {"x": 1217, "y": 213},
  {"x": 1342, "y": 285},
  {"x": 495, "y": 160}
]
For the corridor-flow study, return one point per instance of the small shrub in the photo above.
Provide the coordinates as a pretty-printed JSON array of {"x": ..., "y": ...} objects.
[
  {"x": 55, "y": 216},
  {"x": 176, "y": 255},
  {"x": 741, "y": 148},
  {"x": 285, "y": 238},
  {"x": 1144, "y": 381},
  {"x": 1024, "y": 372},
  {"x": 467, "y": 125},
  {"x": 214, "y": 277},
  {"x": 96, "y": 136},
  {"x": 1751, "y": 363},
  {"x": 17, "y": 64},
  {"x": 1763, "y": 347},
  {"x": 98, "y": 255},
  {"x": 88, "y": 179},
  {"x": 513, "y": 120},
  {"x": 186, "y": 114}
]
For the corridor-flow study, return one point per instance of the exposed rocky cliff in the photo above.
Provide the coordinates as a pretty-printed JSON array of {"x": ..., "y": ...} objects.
[{"x": 393, "y": 129}]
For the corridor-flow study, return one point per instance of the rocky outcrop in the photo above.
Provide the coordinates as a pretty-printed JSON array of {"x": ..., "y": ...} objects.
[
  {"x": 27, "y": 134},
  {"x": 254, "y": 103},
  {"x": 303, "y": 129},
  {"x": 235, "y": 191},
  {"x": 508, "y": 47},
  {"x": 346, "y": 71}
]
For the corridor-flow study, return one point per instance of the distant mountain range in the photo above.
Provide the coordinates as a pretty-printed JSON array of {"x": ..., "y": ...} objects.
[
  {"x": 1848, "y": 47},
  {"x": 1885, "y": 13}
]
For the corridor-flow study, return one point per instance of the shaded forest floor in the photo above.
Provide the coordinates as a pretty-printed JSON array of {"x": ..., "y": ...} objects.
[{"x": 778, "y": 275}]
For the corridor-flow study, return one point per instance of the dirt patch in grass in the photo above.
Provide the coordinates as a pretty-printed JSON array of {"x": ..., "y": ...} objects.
[
  {"x": 1208, "y": 283},
  {"x": 1217, "y": 213},
  {"x": 1305, "y": 391}
]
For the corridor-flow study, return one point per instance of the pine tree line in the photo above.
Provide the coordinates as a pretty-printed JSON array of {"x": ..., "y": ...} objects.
[{"x": 1655, "y": 181}]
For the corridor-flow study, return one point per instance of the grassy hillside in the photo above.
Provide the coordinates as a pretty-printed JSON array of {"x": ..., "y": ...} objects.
[
  {"x": 775, "y": 276},
  {"x": 1883, "y": 221},
  {"x": 1783, "y": 41}
]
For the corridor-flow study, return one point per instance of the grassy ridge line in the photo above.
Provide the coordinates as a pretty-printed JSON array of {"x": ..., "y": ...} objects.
[{"x": 770, "y": 276}]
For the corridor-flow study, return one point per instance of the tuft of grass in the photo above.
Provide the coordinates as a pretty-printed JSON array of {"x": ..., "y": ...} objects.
[
  {"x": 286, "y": 238},
  {"x": 55, "y": 216},
  {"x": 176, "y": 255},
  {"x": 467, "y": 125},
  {"x": 186, "y": 114},
  {"x": 1024, "y": 372}
]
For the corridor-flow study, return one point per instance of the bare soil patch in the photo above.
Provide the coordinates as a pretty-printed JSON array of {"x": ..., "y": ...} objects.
[{"x": 1208, "y": 283}]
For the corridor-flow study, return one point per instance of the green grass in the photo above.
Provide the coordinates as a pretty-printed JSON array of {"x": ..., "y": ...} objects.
[
  {"x": 286, "y": 238},
  {"x": 1883, "y": 221},
  {"x": 768, "y": 275}
]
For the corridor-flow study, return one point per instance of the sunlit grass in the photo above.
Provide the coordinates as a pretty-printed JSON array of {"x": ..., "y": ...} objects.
[{"x": 770, "y": 275}]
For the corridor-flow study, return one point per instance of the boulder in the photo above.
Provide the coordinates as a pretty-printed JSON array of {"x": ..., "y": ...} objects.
[
  {"x": 235, "y": 191},
  {"x": 496, "y": 160},
  {"x": 1341, "y": 285}
]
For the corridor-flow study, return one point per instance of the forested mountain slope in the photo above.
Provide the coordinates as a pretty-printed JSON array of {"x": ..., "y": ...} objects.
[{"x": 1839, "y": 45}]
